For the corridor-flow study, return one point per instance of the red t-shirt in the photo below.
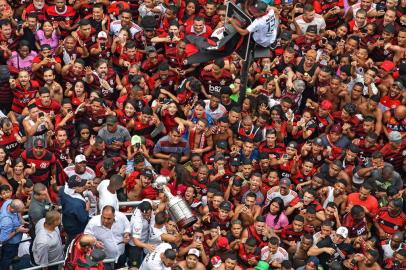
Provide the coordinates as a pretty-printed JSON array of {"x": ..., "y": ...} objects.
[{"x": 371, "y": 203}]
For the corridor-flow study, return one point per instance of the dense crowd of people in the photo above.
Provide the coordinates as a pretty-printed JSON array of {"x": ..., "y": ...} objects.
[{"x": 301, "y": 168}]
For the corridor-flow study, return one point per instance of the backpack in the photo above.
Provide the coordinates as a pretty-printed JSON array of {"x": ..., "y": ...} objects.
[{"x": 72, "y": 254}]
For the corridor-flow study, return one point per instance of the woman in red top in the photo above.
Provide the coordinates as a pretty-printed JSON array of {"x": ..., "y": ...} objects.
[
  {"x": 78, "y": 94},
  {"x": 248, "y": 107},
  {"x": 17, "y": 171},
  {"x": 187, "y": 13},
  {"x": 117, "y": 47},
  {"x": 169, "y": 113},
  {"x": 81, "y": 141},
  {"x": 278, "y": 122},
  {"x": 127, "y": 115}
]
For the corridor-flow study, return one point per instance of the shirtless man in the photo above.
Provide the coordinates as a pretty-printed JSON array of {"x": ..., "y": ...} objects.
[
  {"x": 143, "y": 188},
  {"x": 192, "y": 261},
  {"x": 400, "y": 48},
  {"x": 394, "y": 120},
  {"x": 230, "y": 263},
  {"x": 222, "y": 132},
  {"x": 300, "y": 255},
  {"x": 55, "y": 88},
  {"x": 356, "y": 94},
  {"x": 364, "y": 262},
  {"x": 340, "y": 92},
  {"x": 248, "y": 211},
  {"x": 200, "y": 140},
  {"x": 370, "y": 108}
]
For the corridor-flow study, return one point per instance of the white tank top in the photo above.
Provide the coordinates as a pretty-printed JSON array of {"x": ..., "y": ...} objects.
[{"x": 330, "y": 196}]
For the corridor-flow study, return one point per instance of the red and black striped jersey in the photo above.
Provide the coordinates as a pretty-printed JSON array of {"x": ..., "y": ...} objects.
[
  {"x": 43, "y": 165},
  {"x": 388, "y": 223},
  {"x": 9, "y": 142},
  {"x": 68, "y": 16},
  {"x": 22, "y": 96}
]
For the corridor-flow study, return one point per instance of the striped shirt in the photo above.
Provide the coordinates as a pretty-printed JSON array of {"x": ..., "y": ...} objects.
[{"x": 165, "y": 146}]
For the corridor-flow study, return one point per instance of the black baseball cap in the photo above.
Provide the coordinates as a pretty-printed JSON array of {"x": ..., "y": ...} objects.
[
  {"x": 235, "y": 161},
  {"x": 39, "y": 143},
  {"x": 260, "y": 7},
  {"x": 225, "y": 205},
  {"x": 286, "y": 35},
  {"x": 222, "y": 145},
  {"x": 147, "y": 172}
]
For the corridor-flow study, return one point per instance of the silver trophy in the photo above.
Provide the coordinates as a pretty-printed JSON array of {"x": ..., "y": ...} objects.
[{"x": 178, "y": 208}]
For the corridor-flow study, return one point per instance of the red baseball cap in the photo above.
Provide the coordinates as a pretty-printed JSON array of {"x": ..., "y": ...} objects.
[
  {"x": 387, "y": 65},
  {"x": 336, "y": 129},
  {"x": 222, "y": 242},
  {"x": 326, "y": 105}
]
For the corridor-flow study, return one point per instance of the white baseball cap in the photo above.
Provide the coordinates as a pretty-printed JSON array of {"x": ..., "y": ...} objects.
[
  {"x": 342, "y": 231},
  {"x": 194, "y": 251},
  {"x": 102, "y": 34},
  {"x": 80, "y": 158}
]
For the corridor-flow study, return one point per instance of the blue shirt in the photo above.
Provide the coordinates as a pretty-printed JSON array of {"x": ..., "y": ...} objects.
[
  {"x": 9, "y": 222},
  {"x": 254, "y": 156}
]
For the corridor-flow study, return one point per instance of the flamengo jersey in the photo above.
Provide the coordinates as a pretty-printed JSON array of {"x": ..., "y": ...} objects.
[
  {"x": 390, "y": 224},
  {"x": 43, "y": 165},
  {"x": 264, "y": 29},
  {"x": 9, "y": 142},
  {"x": 68, "y": 16},
  {"x": 22, "y": 96},
  {"x": 214, "y": 84}
]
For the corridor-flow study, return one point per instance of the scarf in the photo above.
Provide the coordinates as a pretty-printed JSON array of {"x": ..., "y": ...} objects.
[{"x": 192, "y": 134}]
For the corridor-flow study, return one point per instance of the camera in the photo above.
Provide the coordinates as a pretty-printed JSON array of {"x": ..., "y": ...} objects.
[
  {"x": 41, "y": 114},
  {"x": 380, "y": 7},
  {"x": 171, "y": 35},
  {"x": 102, "y": 46},
  {"x": 165, "y": 100}
]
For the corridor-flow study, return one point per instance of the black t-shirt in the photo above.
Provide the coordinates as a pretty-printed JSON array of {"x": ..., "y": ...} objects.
[{"x": 342, "y": 250}]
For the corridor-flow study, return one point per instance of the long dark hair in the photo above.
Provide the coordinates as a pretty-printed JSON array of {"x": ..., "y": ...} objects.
[
  {"x": 279, "y": 201},
  {"x": 278, "y": 109},
  {"x": 182, "y": 176}
]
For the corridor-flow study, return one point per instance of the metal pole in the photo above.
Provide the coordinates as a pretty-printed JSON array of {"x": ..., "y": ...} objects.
[
  {"x": 62, "y": 262},
  {"x": 244, "y": 74},
  {"x": 135, "y": 203}
]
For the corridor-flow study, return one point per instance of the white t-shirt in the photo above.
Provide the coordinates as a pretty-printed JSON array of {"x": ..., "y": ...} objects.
[
  {"x": 280, "y": 255},
  {"x": 144, "y": 11},
  {"x": 274, "y": 192},
  {"x": 388, "y": 251},
  {"x": 116, "y": 26},
  {"x": 105, "y": 196},
  {"x": 155, "y": 236},
  {"x": 264, "y": 29},
  {"x": 89, "y": 174},
  {"x": 217, "y": 113},
  {"x": 318, "y": 21},
  {"x": 153, "y": 260}
]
